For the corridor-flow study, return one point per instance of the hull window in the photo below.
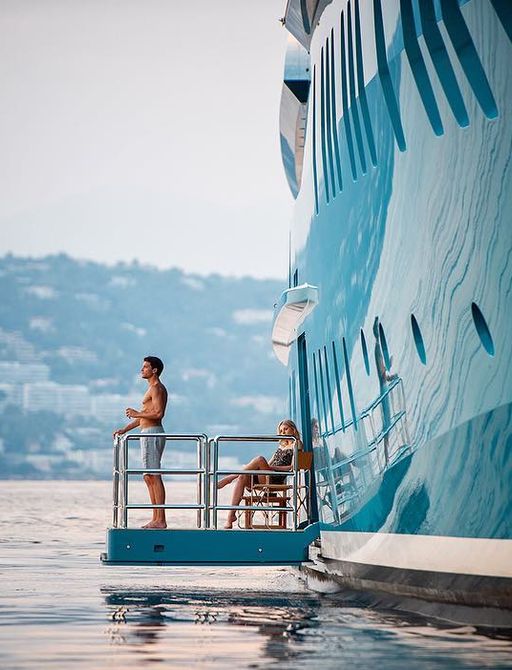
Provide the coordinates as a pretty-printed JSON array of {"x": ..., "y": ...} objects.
[
  {"x": 418, "y": 340},
  {"x": 328, "y": 115},
  {"x": 385, "y": 76},
  {"x": 328, "y": 384},
  {"x": 337, "y": 379},
  {"x": 317, "y": 398},
  {"x": 315, "y": 175},
  {"x": 322, "y": 389},
  {"x": 365, "y": 353},
  {"x": 322, "y": 126},
  {"x": 334, "y": 115},
  {"x": 384, "y": 347},
  {"x": 344, "y": 100},
  {"x": 352, "y": 82},
  {"x": 468, "y": 56},
  {"x": 349, "y": 383},
  {"x": 441, "y": 60},
  {"x": 482, "y": 329},
  {"x": 419, "y": 70},
  {"x": 504, "y": 11},
  {"x": 365, "y": 112}
]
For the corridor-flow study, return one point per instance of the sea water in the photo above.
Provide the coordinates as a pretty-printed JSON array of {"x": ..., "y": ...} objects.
[{"x": 60, "y": 608}]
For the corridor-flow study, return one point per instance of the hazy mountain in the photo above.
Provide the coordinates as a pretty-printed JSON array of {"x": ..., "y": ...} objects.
[{"x": 72, "y": 337}]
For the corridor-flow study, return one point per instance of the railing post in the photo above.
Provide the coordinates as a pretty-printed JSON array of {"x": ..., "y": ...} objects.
[
  {"x": 309, "y": 486},
  {"x": 199, "y": 479},
  {"x": 404, "y": 422},
  {"x": 214, "y": 479},
  {"x": 125, "y": 482},
  {"x": 295, "y": 481},
  {"x": 115, "y": 482},
  {"x": 386, "y": 446},
  {"x": 207, "y": 459}
]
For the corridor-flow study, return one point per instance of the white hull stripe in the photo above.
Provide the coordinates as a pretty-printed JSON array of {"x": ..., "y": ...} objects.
[{"x": 458, "y": 555}]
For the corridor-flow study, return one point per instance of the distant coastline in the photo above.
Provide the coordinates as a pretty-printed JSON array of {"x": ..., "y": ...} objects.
[{"x": 72, "y": 334}]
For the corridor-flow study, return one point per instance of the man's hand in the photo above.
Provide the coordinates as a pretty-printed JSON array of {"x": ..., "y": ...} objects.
[
  {"x": 131, "y": 413},
  {"x": 118, "y": 432}
]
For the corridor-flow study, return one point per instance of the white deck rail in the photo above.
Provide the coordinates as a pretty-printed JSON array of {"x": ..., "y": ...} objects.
[{"x": 207, "y": 474}]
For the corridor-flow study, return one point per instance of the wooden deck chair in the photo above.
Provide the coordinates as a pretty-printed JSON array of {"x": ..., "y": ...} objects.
[{"x": 277, "y": 496}]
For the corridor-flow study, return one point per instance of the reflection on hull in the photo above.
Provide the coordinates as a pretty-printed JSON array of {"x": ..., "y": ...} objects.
[
  {"x": 402, "y": 382},
  {"x": 449, "y": 487},
  {"x": 380, "y": 439},
  {"x": 434, "y": 525}
]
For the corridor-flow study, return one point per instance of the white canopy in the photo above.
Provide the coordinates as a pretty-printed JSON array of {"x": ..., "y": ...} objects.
[{"x": 293, "y": 307}]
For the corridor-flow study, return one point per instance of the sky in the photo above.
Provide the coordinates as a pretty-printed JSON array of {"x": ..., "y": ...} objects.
[{"x": 144, "y": 129}]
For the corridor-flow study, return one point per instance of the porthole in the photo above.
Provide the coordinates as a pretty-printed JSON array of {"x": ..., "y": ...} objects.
[
  {"x": 482, "y": 329},
  {"x": 384, "y": 347},
  {"x": 418, "y": 340},
  {"x": 365, "y": 352}
]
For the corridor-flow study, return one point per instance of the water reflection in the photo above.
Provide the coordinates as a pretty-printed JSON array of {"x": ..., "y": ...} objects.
[
  {"x": 280, "y": 626},
  {"x": 294, "y": 629},
  {"x": 144, "y": 618}
]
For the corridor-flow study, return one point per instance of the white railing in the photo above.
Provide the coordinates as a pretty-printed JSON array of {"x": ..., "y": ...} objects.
[{"x": 207, "y": 473}]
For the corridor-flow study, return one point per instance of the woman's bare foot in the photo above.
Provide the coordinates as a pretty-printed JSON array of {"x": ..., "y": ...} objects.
[
  {"x": 147, "y": 525},
  {"x": 230, "y": 521}
]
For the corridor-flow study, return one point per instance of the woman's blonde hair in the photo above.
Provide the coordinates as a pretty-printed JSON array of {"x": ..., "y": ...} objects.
[{"x": 295, "y": 431}]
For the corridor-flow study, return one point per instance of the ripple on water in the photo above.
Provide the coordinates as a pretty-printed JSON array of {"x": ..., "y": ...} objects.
[{"x": 60, "y": 607}]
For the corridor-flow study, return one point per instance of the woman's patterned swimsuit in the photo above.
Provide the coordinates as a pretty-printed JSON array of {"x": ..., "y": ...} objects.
[{"x": 281, "y": 457}]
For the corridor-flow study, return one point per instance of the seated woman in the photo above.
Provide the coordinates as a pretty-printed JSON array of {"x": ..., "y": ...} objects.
[{"x": 281, "y": 461}]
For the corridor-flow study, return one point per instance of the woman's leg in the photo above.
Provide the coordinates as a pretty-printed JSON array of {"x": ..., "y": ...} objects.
[
  {"x": 225, "y": 481},
  {"x": 238, "y": 492},
  {"x": 258, "y": 463},
  {"x": 243, "y": 482}
]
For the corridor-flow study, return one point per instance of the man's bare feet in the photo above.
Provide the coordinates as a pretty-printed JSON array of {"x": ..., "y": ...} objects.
[
  {"x": 155, "y": 524},
  {"x": 147, "y": 525}
]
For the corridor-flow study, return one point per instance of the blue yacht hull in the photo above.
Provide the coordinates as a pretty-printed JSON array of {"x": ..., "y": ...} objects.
[{"x": 401, "y": 376}]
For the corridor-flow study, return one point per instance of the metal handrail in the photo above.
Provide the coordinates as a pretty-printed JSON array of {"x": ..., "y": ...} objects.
[
  {"x": 121, "y": 473},
  {"x": 281, "y": 473},
  {"x": 372, "y": 445},
  {"x": 163, "y": 471},
  {"x": 366, "y": 411},
  {"x": 156, "y": 506},
  {"x": 258, "y": 508},
  {"x": 115, "y": 482},
  {"x": 207, "y": 474},
  {"x": 214, "y": 473}
]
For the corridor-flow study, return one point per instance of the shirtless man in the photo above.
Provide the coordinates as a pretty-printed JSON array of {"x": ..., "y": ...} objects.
[{"x": 149, "y": 420}]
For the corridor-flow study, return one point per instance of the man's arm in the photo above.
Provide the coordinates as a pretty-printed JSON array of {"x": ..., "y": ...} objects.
[
  {"x": 157, "y": 411},
  {"x": 130, "y": 426}
]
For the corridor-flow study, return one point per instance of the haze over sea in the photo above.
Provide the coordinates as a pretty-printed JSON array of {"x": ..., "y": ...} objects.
[{"x": 61, "y": 608}]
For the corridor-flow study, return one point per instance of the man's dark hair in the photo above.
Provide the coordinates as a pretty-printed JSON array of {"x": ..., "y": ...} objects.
[{"x": 155, "y": 363}]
